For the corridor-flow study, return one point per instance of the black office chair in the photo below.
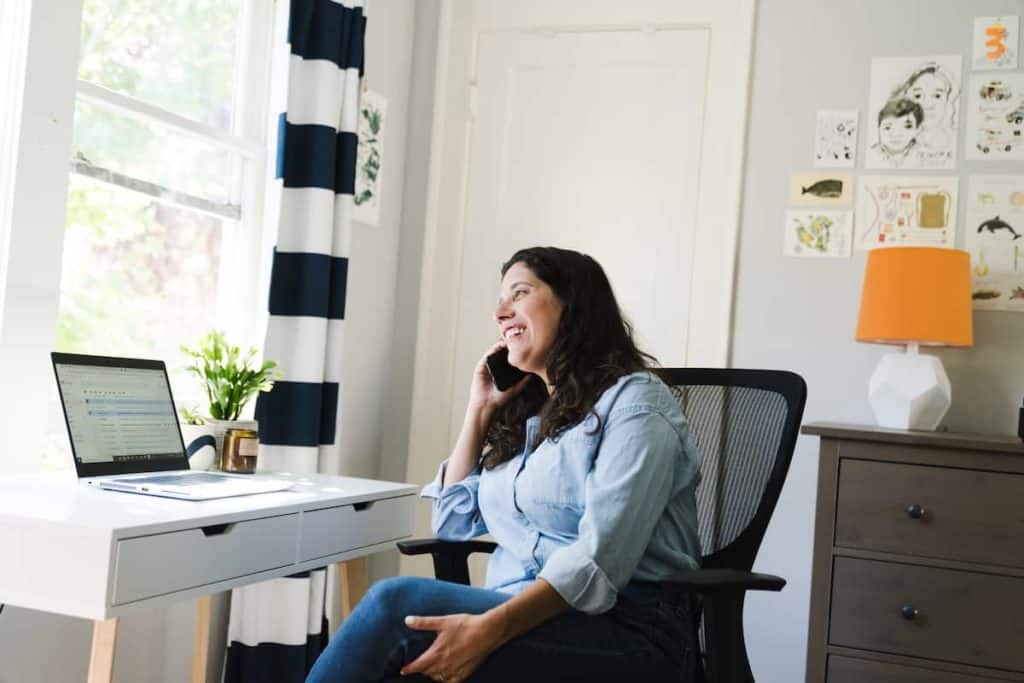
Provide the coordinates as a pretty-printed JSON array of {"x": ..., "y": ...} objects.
[{"x": 745, "y": 423}]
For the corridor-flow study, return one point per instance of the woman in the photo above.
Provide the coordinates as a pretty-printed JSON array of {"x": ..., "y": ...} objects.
[
  {"x": 584, "y": 474},
  {"x": 932, "y": 89}
]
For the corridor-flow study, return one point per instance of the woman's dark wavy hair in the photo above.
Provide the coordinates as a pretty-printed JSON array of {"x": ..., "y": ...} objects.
[{"x": 593, "y": 348}]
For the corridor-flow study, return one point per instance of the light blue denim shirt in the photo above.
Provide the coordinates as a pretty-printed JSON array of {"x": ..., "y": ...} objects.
[{"x": 590, "y": 511}]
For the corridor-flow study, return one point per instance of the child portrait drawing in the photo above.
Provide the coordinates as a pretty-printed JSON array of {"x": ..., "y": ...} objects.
[
  {"x": 915, "y": 101},
  {"x": 899, "y": 125}
]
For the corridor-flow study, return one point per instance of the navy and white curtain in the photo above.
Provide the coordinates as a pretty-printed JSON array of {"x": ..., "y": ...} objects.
[{"x": 278, "y": 628}]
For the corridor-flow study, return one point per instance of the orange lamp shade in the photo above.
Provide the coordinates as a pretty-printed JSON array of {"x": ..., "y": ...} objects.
[{"x": 916, "y": 294}]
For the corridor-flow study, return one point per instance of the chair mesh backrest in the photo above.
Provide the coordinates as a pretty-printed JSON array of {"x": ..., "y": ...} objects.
[{"x": 739, "y": 431}]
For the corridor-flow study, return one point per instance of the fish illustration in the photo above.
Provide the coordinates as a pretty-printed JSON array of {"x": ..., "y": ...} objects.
[
  {"x": 831, "y": 188},
  {"x": 993, "y": 224}
]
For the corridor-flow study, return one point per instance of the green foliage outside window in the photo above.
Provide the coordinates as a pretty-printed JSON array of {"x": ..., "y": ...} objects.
[
  {"x": 176, "y": 54},
  {"x": 138, "y": 276}
]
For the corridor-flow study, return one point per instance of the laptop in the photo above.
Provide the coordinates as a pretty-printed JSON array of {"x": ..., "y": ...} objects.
[{"x": 125, "y": 435}]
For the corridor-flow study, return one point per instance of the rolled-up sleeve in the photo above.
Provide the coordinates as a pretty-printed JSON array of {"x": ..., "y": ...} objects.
[
  {"x": 456, "y": 512},
  {"x": 625, "y": 495}
]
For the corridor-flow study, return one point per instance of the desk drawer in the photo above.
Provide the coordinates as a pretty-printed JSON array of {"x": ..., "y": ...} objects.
[
  {"x": 850, "y": 670},
  {"x": 962, "y": 616},
  {"x": 968, "y": 515},
  {"x": 162, "y": 563},
  {"x": 346, "y": 527}
]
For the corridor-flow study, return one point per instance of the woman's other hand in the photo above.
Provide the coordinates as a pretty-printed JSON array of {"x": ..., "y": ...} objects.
[{"x": 463, "y": 642}]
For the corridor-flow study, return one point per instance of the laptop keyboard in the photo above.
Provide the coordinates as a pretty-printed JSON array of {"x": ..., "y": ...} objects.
[{"x": 188, "y": 479}]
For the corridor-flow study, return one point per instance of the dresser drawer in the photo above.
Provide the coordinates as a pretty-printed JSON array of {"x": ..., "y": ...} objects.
[
  {"x": 163, "y": 563},
  {"x": 361, "y": 525},
  {"x": 874, "y": 497},
  {"x": 851, "y": 670},
  {"x": 962, "y": 616}
]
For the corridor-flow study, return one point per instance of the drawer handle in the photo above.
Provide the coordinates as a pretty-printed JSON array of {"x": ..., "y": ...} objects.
[
  {"x": 216, "y": 529},
  {"x": 365, "y": 505},
  {"x": 915, "y": 511},
  {"x": 908, "y": 612}
]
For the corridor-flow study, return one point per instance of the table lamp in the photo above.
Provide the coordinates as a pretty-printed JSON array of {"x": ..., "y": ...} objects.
[{"x": 914, "y": 296}]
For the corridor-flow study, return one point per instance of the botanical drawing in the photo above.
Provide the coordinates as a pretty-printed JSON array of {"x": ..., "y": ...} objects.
[
  {"x": 369, "y": 157},
  {"x": 818, "y": 233}
]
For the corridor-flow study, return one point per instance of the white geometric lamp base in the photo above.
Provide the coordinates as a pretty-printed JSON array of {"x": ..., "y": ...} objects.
[{"x": 909, "y": 391}]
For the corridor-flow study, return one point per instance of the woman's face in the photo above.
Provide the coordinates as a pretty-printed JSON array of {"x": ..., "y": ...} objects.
[
  {"x": 527, "y": 315},
  {"x": 932, "y": 93}
]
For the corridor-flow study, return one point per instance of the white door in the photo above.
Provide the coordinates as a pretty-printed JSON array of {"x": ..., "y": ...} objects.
[
  {"x": 588, "y": 140},
  {"x": 610, "y": 127}
]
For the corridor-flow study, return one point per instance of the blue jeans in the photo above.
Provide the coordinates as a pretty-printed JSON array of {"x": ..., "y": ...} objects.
[{"x": 647, "y": 636}]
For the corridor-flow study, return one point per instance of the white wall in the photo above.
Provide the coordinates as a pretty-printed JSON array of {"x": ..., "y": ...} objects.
[
  {"x": 156, "y": 645},
  {"x": 800, "y": 314},
  {"x": 383, "y": 291},
  {"x": 397, "y": 410}
]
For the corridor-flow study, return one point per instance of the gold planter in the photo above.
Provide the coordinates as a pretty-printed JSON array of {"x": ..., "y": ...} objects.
[{"x": 240, "y": 450}]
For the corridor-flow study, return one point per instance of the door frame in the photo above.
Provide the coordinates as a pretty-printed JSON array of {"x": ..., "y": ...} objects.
[{"x": 731, "y": 29}]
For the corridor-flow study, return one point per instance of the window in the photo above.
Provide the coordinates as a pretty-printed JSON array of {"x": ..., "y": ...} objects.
[{"x": 165, "y": 198}]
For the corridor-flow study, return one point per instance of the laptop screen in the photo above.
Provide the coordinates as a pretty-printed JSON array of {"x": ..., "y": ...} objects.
[{"x": 120, "y": 415}]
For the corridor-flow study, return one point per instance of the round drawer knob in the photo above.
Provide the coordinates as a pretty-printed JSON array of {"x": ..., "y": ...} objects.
[
  {"x": 908, "y": 612},
  {"x": 915, "y": 511}
]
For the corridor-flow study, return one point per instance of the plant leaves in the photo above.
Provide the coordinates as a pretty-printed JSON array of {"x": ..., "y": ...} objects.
[{"x": 226, "y": 375}]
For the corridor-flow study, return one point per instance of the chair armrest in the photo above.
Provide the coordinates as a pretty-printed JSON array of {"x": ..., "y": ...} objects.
[
  {"x": 729, "y": 580},
  {"x": 422, "y": 546},
  {"x": 450, "y": 557}
]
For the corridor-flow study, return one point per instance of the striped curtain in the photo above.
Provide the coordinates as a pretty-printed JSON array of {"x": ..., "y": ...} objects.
[{"x": 278, "y": 628}]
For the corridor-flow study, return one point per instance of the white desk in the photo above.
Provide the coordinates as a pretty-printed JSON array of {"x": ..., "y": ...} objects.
[{"x": 73, "y": 549}]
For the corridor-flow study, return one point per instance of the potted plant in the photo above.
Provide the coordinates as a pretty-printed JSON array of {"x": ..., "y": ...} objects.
[
  {"x": 200, "y": 445},
  {"x": 229, "y": 380}
]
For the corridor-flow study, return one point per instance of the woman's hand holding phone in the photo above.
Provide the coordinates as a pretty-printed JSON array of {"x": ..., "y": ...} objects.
[
  {"x": 484, "y": 399},
  {"x": 483, "y": 392},
  {"x": 504, "y": 374}
]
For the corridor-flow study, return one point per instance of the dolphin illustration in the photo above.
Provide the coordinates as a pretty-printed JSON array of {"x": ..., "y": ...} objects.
[{"x": 993, "y": 224}]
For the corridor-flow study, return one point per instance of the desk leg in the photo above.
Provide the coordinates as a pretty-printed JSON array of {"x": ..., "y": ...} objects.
[
  {"x": 101, "y": 658},
  {"x": 201, "y": 640},
  {"x": 353, "y": 576}
]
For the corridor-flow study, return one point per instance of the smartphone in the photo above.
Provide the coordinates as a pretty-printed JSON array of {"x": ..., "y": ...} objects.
[{"x": 504, "y": 374}]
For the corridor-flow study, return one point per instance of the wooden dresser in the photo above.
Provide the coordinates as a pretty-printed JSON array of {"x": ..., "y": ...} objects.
[{"x": 918, "y": 572}]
